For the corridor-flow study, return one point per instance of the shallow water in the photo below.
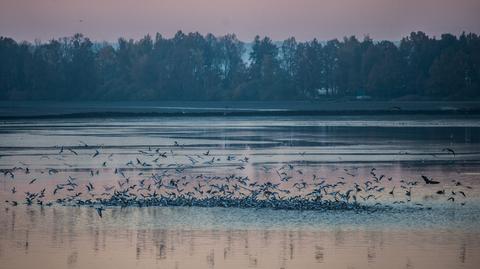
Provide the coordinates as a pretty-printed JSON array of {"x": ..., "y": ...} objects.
[
  {"x": 62, "y": 237},
  {"x": 447, "y": 236}
]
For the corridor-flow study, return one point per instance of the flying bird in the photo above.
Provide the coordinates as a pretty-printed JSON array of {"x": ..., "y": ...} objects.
[
  {"x": 429, "y": 181},
  {"x": 73, "y": 151},
  {"x": 449, "y": 150}
]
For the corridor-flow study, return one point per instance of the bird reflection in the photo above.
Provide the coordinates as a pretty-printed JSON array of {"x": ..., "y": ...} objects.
[
  {"x": 463, "y": 253},
  {"x": 319, "y": 254},
  {"x": 171, "y": 248},
  {"x": 150, "y": 184},
  {"x": 72, "y": 259},
  {"x": 211, "y": 259},
  {"x": 27, "y": 242}
]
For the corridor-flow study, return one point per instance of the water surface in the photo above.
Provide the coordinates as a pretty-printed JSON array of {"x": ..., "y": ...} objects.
[{"x": 445, "y": 236}]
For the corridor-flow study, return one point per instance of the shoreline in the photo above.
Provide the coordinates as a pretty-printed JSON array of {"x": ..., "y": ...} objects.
[
  {"x": 99, "y": 109},
  {"x": 283, "y": 113}
]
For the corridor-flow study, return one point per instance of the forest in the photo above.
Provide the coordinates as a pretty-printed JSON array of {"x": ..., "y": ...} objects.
[{"x": 198, "y": 67}]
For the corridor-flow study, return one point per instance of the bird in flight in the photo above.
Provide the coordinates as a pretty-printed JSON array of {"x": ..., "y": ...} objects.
[
  {"x": 449, "y": 150},
  {"x": 429, "y": 181}
]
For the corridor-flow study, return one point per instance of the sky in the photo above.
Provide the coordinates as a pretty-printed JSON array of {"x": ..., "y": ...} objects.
[{"x": 106, "y": 20}]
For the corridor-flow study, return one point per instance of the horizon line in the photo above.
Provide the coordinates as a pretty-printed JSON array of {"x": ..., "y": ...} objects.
[{"x": 153, "y": 35}]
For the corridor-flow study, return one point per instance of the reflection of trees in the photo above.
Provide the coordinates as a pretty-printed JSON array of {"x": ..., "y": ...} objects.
[{"x": 77, "y": 236}]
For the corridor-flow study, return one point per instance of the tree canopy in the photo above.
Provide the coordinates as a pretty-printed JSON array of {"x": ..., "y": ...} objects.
[{"x": 196, "y": 67}]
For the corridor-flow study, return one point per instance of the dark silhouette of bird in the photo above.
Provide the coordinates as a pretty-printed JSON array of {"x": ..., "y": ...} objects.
[
  {"x": 392, "y": 191},
  {"x": 73, "y": 151},
  {"x": 429, "y": 181},
  {"x": 408, "y": 192},
  {"x": 99, "y": 211},
  {"x": 8, "y": 172},
  {"x": 449, "y": 150},
  {"x": 83, "y": 143}
]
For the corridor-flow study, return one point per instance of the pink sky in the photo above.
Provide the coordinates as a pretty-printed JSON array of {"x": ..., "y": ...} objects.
[{"x": 279, "y": 19}]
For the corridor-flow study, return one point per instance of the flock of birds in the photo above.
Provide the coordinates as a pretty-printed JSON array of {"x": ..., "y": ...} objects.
[{"x": 153, "y": 178}]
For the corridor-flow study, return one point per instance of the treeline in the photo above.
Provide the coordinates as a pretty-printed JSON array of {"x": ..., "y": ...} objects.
[{"x": 196, "y": 67}]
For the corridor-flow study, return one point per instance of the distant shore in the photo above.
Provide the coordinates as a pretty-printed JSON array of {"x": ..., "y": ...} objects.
[{"x": 51, "y": 110}]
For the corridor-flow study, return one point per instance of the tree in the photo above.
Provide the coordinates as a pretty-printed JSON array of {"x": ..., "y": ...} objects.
[
  {"x": 448, "y": 74},
  {"x": 191, "y": 66},
  {"x": 386, "y": 77}
]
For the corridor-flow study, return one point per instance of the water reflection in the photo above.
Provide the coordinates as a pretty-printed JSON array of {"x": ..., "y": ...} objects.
[
  {"x": 61, "y": 237},
  {"x": 73, "y": 237}
]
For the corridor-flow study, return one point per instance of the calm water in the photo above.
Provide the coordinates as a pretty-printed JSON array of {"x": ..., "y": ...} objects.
[{"x": 448, "y": 236}]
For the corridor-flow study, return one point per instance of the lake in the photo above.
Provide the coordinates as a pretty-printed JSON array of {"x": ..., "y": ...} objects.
[{"x": 424, "y": 229}]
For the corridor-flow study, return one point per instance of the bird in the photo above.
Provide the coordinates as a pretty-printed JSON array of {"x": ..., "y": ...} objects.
[
  {"x": 99, "y": 211},
  {"x": 170, "y": 184},
  {"x": 8, "y": 172},
  {"x": 449, "y": 150},
  {"x": 429, "y": 181},
  {"x": 392, "y": 191},
  {"x": 83, "y": 143},
  {"x": 73, "y": 151},
  {"x": 409, "y": 192}
]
